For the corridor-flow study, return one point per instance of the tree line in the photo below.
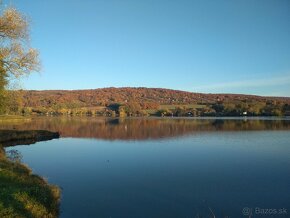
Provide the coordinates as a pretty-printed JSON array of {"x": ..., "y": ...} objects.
[{"x": 134, "y": 108}]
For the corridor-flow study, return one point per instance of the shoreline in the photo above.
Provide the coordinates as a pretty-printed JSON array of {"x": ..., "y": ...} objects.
[{"x": 24, "y": 194}]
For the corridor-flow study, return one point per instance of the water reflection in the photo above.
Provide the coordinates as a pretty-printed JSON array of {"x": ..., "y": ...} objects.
[
  {"x": 144, "y": 128},
  {"x": 233, "y": 167}
]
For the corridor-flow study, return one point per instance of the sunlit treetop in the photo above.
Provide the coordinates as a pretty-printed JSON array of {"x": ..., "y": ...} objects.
[{"x": 16, "y": 56}]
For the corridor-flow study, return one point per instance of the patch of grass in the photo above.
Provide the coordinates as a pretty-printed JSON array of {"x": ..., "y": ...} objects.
[
  {"x": 172, "y": 107},
  {"x": 23, "y": 194},
  {"x": 151, "y": 111},
  {"x": 13, "y": 119}
]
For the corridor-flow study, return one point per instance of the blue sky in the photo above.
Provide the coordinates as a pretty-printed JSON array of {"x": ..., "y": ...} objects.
[{"x": 211, "y": 46}]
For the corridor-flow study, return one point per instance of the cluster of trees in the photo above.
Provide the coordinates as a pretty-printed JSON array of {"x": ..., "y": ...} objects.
[
  {"x": 252, "y": 108},
  {"x": 130, "y": 108},
  {"x": 17, "y": 58},
  {"x": 134, "y": 108},
  {"x": 235, "y": 108}
]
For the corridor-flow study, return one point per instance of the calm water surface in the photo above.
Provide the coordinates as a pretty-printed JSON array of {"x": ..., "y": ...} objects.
[{"x": 164, "y": 167}]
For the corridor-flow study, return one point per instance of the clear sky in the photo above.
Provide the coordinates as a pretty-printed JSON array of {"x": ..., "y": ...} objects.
[{"x": 212, "y": 46}]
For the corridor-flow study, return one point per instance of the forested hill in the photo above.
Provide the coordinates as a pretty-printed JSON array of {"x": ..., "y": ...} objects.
[
  {"x": 146, "y": 97},
  {"x": 143, "y": 102}
]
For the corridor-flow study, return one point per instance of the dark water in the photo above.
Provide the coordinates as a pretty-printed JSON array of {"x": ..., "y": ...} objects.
[{"x": 165, "y": 167}]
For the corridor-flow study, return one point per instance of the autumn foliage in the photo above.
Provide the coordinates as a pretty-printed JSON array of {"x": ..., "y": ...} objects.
[{"x": 147, "y": 101}]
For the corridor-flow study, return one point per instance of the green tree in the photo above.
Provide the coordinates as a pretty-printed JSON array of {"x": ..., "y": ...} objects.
[{"x": 17, "y": 58}]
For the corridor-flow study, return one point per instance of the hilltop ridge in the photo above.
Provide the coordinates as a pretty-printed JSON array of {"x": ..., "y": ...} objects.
[{"x": 151, "y": 96}]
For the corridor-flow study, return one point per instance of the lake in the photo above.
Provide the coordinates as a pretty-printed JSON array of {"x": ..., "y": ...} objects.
[{"x": 171, "y": 167}]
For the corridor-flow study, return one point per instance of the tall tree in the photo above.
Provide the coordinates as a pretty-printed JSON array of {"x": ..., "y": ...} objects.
[{"x": 17, "y": 58}]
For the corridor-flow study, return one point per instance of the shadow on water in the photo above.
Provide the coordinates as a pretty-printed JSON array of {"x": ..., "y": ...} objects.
[{"x": 25, "y": 137}]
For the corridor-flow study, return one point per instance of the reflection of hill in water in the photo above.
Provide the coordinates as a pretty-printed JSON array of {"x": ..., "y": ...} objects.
[{"x": 141, "y": 129}]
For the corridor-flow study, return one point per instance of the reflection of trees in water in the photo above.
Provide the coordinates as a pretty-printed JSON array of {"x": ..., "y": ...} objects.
[
  {"x": 140, "y": 129},
  {"x": 2, "y": 151},
  {"x": 14, "y": 155}
]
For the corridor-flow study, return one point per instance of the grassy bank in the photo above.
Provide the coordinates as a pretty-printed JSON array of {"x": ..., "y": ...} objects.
[{"x": 23, "y": 194}]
